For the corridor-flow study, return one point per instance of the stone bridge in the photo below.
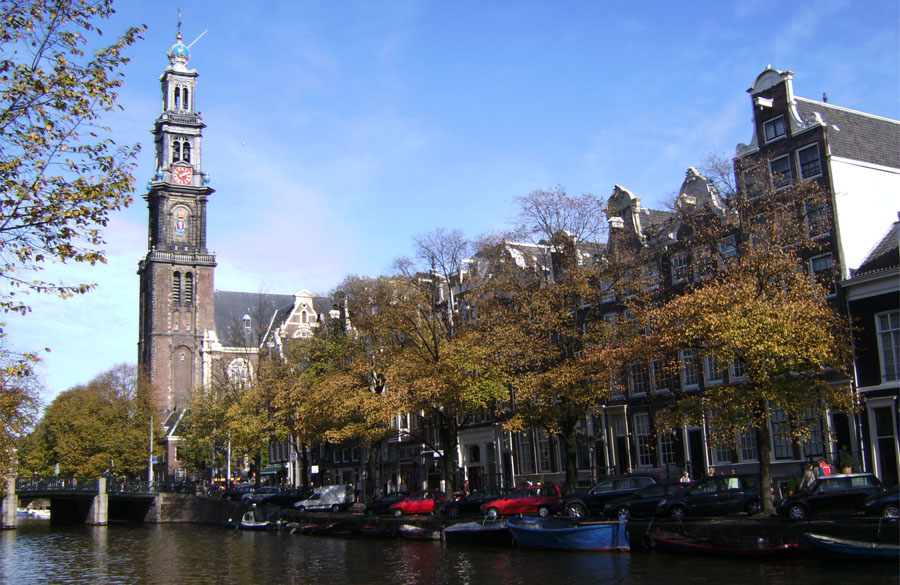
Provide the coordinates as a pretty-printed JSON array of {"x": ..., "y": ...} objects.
[{"x": 96, "y": 501}]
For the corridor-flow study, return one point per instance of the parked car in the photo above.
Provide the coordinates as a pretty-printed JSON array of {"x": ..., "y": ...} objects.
[
  {"x": 831, "y": 494},
  {"x": 471, "y": 503},
  {"x": 886, "y": 505},
  {"x": 714, "y": 496},
  {"x": 542, "y": 500},
  {"x": 383, "y": 504},
  {"x": 235, "y": 492},
  {"x": 255, "y": 497},
  {"x": 642, "y": 503},
  {"x": 285, "y": 498},
  {"x": 592, "y": 502},
  {"x": 333, "y": 497},
  {"x": 421, "y": 502}
]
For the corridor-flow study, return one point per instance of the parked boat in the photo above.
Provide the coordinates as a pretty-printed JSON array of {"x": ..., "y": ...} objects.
[
  {"x": 859, "y": 549},
  {"x": 338, "y": 528},
  {"x": 480, "y": 533},
  {"x": 418, "y": 533},
  {"x": 249, "y": 522},
  {"x": 550, "y": 533},
  {"x": 747, "y": 547}
]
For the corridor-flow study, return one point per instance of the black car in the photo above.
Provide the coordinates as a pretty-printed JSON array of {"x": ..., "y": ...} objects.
[
  {"x": 641, "y": 504},
  {"x": 831, "y": 494},
  {"x": 383, "y": 504},
  {"x": 285, "y": 498},
  {"x": 592, "y": 502},
  {"x": 471, "y": 504},
  {"x": 714, "y": 496},
  {"x": 886, "y": 505},
  {"x": 236, "y": 492}
]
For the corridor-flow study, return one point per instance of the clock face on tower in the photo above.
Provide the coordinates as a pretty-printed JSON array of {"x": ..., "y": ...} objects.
[{"x": 182, "y": 175}]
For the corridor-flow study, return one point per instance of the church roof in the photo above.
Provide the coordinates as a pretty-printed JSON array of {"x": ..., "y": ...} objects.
[{"x": 232, "y": 306}]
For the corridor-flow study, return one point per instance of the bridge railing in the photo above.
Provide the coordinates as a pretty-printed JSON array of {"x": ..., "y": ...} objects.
[
  {"x": 55, "y": 484},
  {"x": 114, "y": 485}
]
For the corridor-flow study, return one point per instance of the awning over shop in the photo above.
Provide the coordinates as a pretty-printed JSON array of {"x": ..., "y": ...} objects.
[{"x": 271, "y": 470}]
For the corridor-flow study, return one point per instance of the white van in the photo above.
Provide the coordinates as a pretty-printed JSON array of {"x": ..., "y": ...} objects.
[{"x": 333, "y": 497}]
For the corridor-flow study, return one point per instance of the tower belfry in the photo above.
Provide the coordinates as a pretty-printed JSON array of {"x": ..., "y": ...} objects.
[{"x": 176, "y": 275}]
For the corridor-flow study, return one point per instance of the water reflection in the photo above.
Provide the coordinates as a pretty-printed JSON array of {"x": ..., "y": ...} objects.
[{"x": 152, "y": 554}]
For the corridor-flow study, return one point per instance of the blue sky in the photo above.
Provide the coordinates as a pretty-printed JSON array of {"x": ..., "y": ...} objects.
[{"x": 337, "y": 131}]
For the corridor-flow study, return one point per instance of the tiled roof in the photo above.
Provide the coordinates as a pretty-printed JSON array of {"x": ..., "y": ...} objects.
[
  {"x": 886, "y": 254},
  {"x": 857, "y": 135},
  {"x": 231, "y": 306}
]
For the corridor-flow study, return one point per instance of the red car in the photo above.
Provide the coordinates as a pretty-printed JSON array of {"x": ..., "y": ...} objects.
[
  {"x": 534, "y": 499},
  {"x": 421, "y": 502}
]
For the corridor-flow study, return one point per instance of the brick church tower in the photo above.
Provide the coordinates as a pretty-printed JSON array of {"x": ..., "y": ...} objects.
[{"x": 176, "y": 276}]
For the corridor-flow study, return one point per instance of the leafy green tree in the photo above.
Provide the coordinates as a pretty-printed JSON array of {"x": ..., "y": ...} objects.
[
  {"x": 59, "y": 175},
  {"x": 760, "y": 313},
  {"x": 535, "y": 304},
  {"x": 89, "y": 428}
]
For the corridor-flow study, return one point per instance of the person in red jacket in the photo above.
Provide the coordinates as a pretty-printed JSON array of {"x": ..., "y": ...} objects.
[{"x": 824, "y": 469}]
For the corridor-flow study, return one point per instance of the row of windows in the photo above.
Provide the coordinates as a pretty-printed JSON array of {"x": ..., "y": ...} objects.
[
  {"x": 655, "y": 376},
  {"x": 808, "y": 162}
]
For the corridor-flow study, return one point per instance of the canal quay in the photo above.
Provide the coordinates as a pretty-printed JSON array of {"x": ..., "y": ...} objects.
[{"x": 207, "y": 547}]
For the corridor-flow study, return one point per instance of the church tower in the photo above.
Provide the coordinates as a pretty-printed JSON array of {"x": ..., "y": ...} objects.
[{"x": 176, "y": 276}]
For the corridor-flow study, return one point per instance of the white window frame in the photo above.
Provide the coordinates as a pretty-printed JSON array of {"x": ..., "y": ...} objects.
[
  {"x": 650, "y": 276},
  {"x": 781, "y": 180},
  {"x": 728, "y": 247},
  {"x": 775, "y": 123},
  {"x": 812, "y": 263},
  {"x": 803, "y": 176},
  {"x": 666, "y": 448},
  {"x": 888, "y": 345},
  {"x": 689, "y": 356},
  {"x": 638, "y": 378},
  {"x": 643, "y": 439},
  {"x": 748, "y": 446},
  {"x": 657, "y": 373},
  {"x": 715, "y": 373},
  {"x": 738, "y": 370},
  {"x": 810, "y": 207},
  {"x": 526, "y": 456},
  {"x": 681, "y": 268}
]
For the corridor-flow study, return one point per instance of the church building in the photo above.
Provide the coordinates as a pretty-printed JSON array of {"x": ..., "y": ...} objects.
[{"x": 189, "y": 332}]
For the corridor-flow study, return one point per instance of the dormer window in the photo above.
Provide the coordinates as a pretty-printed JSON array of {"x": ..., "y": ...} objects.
[
  {"x": 247, "y": 321},
  {"x": 774, "y": 129}
]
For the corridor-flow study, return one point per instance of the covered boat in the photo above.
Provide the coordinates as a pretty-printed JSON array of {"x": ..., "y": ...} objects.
[
  {"x": 747, "y": 547},
  {"x": 553, "y": 534},
  {"x": 859, "y": 549},
  {"x": 249, "y": 522},
  {"x": 480, "y": 533}
]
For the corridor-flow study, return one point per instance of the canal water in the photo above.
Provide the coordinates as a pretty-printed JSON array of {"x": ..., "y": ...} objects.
[{"x": 137, "y": 554}]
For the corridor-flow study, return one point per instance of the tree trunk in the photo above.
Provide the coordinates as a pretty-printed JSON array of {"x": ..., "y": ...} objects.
[
  {"x": 765, "y": 464},
  {"x": 374, "y": 449},
  {"x": 449, "y": 441},
  {"x": 569, "y": 438}
]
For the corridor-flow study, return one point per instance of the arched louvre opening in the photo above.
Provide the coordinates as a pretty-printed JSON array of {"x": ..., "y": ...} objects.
[
  {"x": 176, "y": 288},
  {"x": 189, "y": 288}
]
